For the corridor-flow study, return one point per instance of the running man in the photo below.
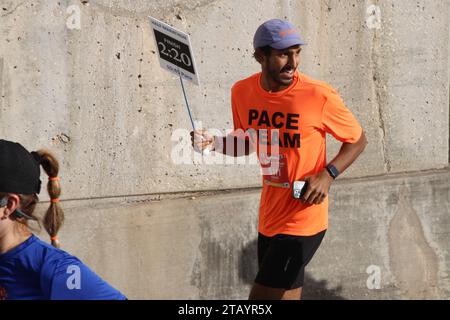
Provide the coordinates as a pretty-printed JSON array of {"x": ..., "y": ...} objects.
[{"x": 290, "y": 115}]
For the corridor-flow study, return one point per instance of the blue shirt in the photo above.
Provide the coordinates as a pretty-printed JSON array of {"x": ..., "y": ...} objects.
[{"x": 35, "y": 270}]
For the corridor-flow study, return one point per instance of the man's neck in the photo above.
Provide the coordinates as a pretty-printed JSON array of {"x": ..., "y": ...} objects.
[{"x": 270, "y": 86}]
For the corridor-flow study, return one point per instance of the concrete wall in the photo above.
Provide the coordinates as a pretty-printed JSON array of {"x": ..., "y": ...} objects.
[
  {"x": 97, "y": 97},
  {"x": 203, "y": 246}
]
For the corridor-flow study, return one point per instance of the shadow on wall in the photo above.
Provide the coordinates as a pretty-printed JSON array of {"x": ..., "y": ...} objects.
[
  {"x": 318, "y": 290},
  {"x": 313, "y": 289}
]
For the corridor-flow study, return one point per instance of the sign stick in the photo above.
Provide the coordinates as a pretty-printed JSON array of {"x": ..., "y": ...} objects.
[
  {"x": 186, "y": 101},
  {"x": 206, "y": 151}
]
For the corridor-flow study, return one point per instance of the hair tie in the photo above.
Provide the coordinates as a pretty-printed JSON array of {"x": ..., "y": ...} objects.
[
  {"x": 53, "y": 178},
  {"x": 56, "y": 200},
  {"x": 54, "y": 238}
]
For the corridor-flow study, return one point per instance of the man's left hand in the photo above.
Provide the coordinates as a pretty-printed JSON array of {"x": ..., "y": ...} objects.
[{"x": 318, "y": 187}]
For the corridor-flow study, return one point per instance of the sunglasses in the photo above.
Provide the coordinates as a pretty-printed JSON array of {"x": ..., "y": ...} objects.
[{"x": 17, "y": 213}]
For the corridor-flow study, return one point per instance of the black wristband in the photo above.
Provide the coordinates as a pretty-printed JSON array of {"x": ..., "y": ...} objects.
[{"x": 334, "y": 173}]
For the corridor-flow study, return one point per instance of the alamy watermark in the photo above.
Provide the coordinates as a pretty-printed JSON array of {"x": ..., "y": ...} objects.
[
  {"x": 73, "y": 21},
  {"x": 373, "y": 17},
  {"x": 263, "y": 146},
  {"x": 374, "y": 280},
  {"x": 74, "y": 280}
]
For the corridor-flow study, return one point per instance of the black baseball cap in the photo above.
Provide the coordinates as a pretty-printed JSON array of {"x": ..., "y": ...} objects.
[{"x": 19, "y": 169}]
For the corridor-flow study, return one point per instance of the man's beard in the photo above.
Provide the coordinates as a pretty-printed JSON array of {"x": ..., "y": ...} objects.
[{"x": 275, "y": 75}]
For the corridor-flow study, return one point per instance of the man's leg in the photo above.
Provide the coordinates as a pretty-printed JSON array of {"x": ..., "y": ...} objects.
[
  {"x": 260, "y": 292},
  {"x": 282, "y": 260}
]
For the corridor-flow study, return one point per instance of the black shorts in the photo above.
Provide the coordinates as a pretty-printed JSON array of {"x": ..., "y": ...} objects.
[{"x": 282, "y": 259}]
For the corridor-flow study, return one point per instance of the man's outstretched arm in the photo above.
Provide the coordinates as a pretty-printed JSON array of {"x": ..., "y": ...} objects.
[
  {"x": 319, "y": 184},
  {"x": 229, "y": 145}
]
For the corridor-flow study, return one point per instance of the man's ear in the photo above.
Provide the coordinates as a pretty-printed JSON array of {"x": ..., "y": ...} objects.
[{"x": 259, "y": 55}]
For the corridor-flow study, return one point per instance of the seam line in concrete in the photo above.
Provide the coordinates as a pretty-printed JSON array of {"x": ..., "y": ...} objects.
[
  {"x": 377, "y": 87},
  {"x": 1, "y": 85},
  {"x": 202, "y": 193},
  {"x": 129, "y": 13},
  {"x": 448, "y": 81}
]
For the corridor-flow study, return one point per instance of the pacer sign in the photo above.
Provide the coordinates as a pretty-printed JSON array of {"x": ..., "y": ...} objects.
[{"x": 174, "y": 49}]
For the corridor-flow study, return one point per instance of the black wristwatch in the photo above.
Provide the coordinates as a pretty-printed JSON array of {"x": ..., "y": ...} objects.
[{"x": 332, "y": 171}]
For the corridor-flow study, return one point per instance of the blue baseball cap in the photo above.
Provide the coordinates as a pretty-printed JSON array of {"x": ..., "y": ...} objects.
[{"x": 277, "y": 34}]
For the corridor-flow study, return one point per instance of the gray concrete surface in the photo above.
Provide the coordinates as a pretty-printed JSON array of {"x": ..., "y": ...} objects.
[
  {"x": 97, "y": 97},
  {"x": 203, "y": 246},
  {"x": 398, "y": 223}
]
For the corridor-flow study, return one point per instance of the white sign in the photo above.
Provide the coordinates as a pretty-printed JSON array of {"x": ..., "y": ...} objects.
[{"x": 174, "y": 49}]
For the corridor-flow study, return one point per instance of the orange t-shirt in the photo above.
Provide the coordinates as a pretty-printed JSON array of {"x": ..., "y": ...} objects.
[{"x": 290, "y": 128}]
